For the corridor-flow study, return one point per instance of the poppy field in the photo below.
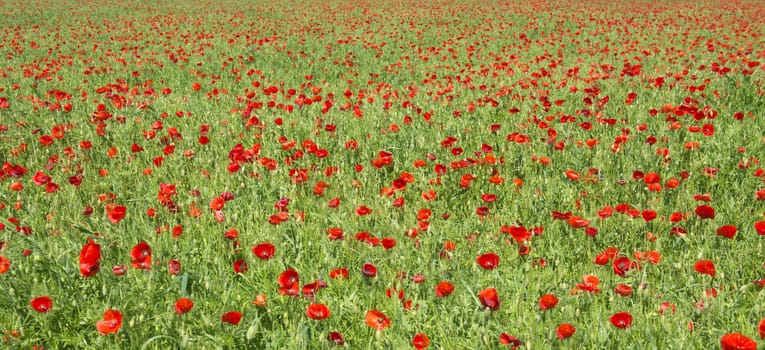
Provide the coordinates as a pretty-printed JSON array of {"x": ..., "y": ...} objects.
[{"x": 382, "y": 175}]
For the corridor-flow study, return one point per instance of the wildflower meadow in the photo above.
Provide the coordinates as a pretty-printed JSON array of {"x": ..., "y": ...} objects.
[{"x": 382, "y": 174}]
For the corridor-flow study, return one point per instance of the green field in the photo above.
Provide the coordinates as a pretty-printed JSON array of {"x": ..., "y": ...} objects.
[{"x": 382, "y": 175}]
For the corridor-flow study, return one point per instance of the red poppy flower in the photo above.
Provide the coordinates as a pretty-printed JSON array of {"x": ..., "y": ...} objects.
[
  {"x": 623, "y": 290},
  {"x": 420, "y": 341},
  {"x": 337, "y": 338},
  {"x": 90, "y": 258},
  {"x": 141, "y": 255},
  {"x": 737, "y": 341},
  {"x": 606, "y": 212},
  {"x": 273, "y": 220},
  {"x": 115, "y": 213},
  {"x": 705, "y": 267},
  {"x": 217, "y": 203},
  {"x": 622, "y": 265},
  {"x": 240, "y": 266},
  {"x": 606, "y": 256},
  {"x": 231, "y": 317},
  {"x": 706, "y": 197},
  {"x": 572, "y": 175},
  {"x": 369, "y": 270},
  {"x": 621, "y": 320},
  {"x": 429, "y": 195},
  {"x": 488, "y": 261},
  {"x": 424, "y": 214},
  {"x": 363, "y": 210},
  {"x": 444, "y": 288},
  {"x": 264, "y": 251},
  {"x": 289, "y": 283},
  {"x": 482, "y": 211},
  {"x": 589, "y": 284},
  {"x": 16, "y": 186},
  {"x": 368, "y": 238},
  {"x": 339, "y": 273},
  {"x": 488, "y": 197},
  {"x": 40, "y": 178},
  {"x": 519, "y": 233},
  {"x": 578, "y": 222},
  {"x": 310, "y": 289},
  {"x": 110, "y": 323},
  {"x": 335, "y": 233},
  {"x": 677, "y": 231},
  {"x": 119, "y": 270},
  {"x": 489, "y": 299},
  {"x": 672, "y": 183},
  {"x": 377, "y": 320},
  {"x": 650, "y": 178},
  {"x": 565, "y": 330},
  {"x": 547, "y": 302},
  {"x": 648, "y": 215},
  {"x": 5, "y": 264},
  {"x": 418, "y": 278},
  {"x": 317, "y": 311},
  {"x": 761, "y": 328},
  {"x": 51, "y": 188},
  {"x": 507, "y": 339},
  {"x": 676, "y": 217},
  {"x": 727, "y": 231},
  {"x": 183, "y": 305},
  {"x": 708, "y": 129},
  {"x": 759, "y": 226},
  {"x": 710, "y": 171},
  {"x": 667, "y": 306},
  {"x": 388, "y": 242},
  {"x": 174, "y": 267},
  {"x": 705, "y": 212},
  {"x": 42, "y": 304}
]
